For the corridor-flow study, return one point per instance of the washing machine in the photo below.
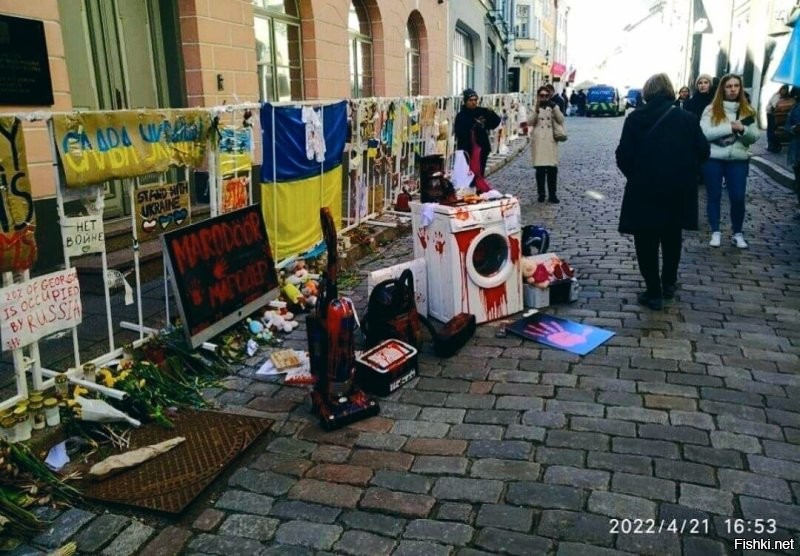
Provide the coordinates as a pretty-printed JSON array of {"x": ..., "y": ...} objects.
[{"x": 472, "y": 253}]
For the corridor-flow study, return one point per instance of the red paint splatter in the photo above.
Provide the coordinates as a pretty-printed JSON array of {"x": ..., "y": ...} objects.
[
  {"x": 514, "y": 249},
  {"x": 494, "y": 301},
  {"x": 423, "y": 238},
  {"x": 464, "y": 240},
  {"x": 438, "y": 243}
]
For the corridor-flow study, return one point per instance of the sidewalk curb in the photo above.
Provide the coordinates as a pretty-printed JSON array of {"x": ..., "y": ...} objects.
[{"x": 776, "y": 172}]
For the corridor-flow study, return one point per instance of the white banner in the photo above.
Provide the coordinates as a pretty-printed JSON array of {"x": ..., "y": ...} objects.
[
  {"x": 83, "y": 235},
  {"x": 39, "y": 307}
]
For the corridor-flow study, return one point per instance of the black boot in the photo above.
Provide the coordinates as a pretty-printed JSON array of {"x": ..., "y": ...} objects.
[
  {"x": 540, "y": 183},
  {"x": 552, "y": 176}
]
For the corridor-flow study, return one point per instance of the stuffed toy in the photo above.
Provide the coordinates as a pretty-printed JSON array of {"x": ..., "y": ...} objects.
[{"x": 280, "y": 321}]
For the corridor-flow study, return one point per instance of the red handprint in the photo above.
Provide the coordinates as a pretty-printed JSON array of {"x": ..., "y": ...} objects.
[
  {"x": 422, "y": 234},
  {"x": 439, "y": 242},
  {"x": 220, "y": 269},
  {"x": 555, "y": 334},
  {"x": 196, "y": 291}
]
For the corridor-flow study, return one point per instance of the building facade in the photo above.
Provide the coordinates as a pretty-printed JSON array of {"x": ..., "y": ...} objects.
[{"x": 128, "y": 54}]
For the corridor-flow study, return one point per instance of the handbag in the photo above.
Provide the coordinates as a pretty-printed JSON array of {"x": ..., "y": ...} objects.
[{"x": 559, "y": 132}]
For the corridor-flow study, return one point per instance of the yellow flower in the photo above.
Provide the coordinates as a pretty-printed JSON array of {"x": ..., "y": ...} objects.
[
  {"x": 79, "y": 391},
  {"x": 108, "y": 378},
  {"x": 141, "y": 383}
]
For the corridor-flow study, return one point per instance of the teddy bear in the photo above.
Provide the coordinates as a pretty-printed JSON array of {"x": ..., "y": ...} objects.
[{"x": 280, "y": 320}]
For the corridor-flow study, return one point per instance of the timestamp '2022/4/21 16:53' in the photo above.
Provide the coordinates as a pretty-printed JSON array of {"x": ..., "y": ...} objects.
[{"x": 732, "y": 526}]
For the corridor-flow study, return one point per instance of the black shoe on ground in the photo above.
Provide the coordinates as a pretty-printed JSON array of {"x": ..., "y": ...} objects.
[
  {"x": 668, "y": 292},
  {"x": 541, "y": 198},
  {"x": 654, "y": 303},
  {"x": 553, "y": 200}
]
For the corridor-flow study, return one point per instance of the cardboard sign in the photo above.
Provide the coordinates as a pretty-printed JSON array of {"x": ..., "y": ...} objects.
[
  {"x": 17, "y": 221},
  {"x": 160, "y": 208},
  {"x": 222, "y": 270},
  {"x": 234, "y": 193},
  {"x": 235, "y": 149},
  {"x": 83, "y": 235},
  {"x": 39, "y": 307},
  {"x": 97, "y": 146}
]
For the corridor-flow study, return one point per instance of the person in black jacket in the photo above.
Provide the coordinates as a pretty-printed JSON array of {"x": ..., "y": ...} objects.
[
  {"x": 659, "y": 152},
  {"x": 472, "y": 127},
  {"x": 702, "y": 96},
  {"x": 556, "y": 98}
]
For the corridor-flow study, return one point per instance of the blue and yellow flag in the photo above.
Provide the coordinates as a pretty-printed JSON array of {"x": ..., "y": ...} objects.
[{"x": 301, "y": 172}]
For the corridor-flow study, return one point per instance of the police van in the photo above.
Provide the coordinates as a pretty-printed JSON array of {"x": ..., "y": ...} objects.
[{"x": 604, "y": 100}]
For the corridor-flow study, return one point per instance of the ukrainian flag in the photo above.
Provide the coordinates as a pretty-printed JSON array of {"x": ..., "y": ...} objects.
[{"x": 300, "y": 173}]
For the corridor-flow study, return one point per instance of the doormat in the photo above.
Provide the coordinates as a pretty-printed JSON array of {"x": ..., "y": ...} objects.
[
  {"x": 570, "y": 336},
  {"x": 169, "y": 482}
]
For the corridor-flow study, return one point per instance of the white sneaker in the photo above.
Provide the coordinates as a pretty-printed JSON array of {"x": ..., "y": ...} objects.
[
  {"x": 738, "y": 241},
  {"x": 716, "y": 239}
]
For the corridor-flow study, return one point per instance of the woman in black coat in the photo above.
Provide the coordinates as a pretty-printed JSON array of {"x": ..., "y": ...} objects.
[
  {"x": 703, "y": 94},
  {"x": 475, "y": 121},
  {"x": 659, "y": 153}
]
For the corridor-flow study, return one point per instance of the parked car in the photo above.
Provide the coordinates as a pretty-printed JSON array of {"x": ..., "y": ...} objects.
[
  {"x": 634, "y": 98},
  {"x": 604, "y": 99}
]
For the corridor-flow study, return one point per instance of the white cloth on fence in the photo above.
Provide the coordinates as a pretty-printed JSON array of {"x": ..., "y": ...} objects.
[{"x": 315, "y": 139}]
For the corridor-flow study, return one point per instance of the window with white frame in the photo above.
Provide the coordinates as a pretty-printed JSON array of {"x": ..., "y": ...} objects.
[
  {"x": 463, "y": 62},
  {"x": 413, "y": 70},
  {"x": 360, "y": 50},
  {"x": 278, "y": 50},
  {"x": 521, "y": 27}
]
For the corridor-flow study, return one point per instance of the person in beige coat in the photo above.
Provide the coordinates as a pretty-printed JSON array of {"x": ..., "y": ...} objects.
[{"x": 544, "y": 149}]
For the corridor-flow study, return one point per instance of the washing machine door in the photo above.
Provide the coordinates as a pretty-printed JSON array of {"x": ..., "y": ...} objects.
[{"x": 489, "y": 259}]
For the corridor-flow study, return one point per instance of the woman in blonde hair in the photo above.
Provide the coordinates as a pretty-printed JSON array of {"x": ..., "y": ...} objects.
[{"x": 730, "y": 127}]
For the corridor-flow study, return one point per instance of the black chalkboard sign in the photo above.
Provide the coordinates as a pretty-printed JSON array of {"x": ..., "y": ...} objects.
[
  {"x": 24, "y": 67},
  {"x": 221, "y": 269}
]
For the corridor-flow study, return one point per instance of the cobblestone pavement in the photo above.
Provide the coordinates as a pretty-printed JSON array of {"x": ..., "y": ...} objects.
[{"x": 691, "y": 413}]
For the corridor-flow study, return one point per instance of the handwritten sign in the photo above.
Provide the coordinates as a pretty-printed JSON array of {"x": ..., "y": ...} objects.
[
  {"x": 222, "y": 270},
  {"x": 234, "y": 193},
  {"x": 83, "y": 235},
  {"x": 17, "y": 222},
  {"x": 24, "y": 66},
  {"x": 97, "y": 146},
  {"x": 235, "y": 149},
  {"x": 39, "y": 307},
  {"x": 161, "y": 208}
]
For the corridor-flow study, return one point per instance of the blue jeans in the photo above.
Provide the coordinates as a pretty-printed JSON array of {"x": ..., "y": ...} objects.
[{"x": 735, "y": 174}]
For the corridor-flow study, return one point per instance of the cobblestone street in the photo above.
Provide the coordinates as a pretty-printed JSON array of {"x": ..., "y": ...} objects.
[{"x": 691, "y": 413}]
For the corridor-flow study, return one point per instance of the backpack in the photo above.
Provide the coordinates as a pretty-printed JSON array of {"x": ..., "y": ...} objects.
[{"x": 392, "y": 312}]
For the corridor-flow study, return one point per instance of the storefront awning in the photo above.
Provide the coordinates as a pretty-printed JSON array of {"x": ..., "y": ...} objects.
[{"x": 557, "y": 70}]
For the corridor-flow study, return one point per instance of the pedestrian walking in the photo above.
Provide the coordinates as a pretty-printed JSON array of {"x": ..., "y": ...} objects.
[
  {"x": 544, "y": 148},
  {"x": 659, "y": 152},
  {"x": 565, "y": 98},
  {"x": 555, "y": 97},
  {"x": 773, "y": 145},
  {"x": 471, "y": 128},
  {"x": 792, "y": 127},
  {"x": 581, "y": 103},
  {"x": 702, "y": 95},
  {"x": 683, "y": 97},
  {"x": 729, "y": 125}
]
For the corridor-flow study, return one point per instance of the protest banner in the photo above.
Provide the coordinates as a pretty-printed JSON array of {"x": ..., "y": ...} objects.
[
  {"x": 83, "y": 235},
  {"x": 234, "y": 193},
  {"x": 97, "y": 146},
  {"x": 222, "y": 270},
  {"x": 235, "y": 149},
  {"x": 17, "y": 221},
  {"x": 38, "y": 307},
  {"x": 160, "y": 208}
]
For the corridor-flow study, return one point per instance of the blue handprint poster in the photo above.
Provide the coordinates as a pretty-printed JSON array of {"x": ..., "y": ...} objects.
[{"x": 570, "y": 336}]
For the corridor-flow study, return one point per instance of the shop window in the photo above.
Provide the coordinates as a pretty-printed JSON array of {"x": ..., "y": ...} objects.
[
  {"x": 358, "y": 25},
  {"x": 278, "y": 50}
]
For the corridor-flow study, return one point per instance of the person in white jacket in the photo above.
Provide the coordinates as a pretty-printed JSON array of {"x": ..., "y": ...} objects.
[{"x": 729, "y": 125}]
